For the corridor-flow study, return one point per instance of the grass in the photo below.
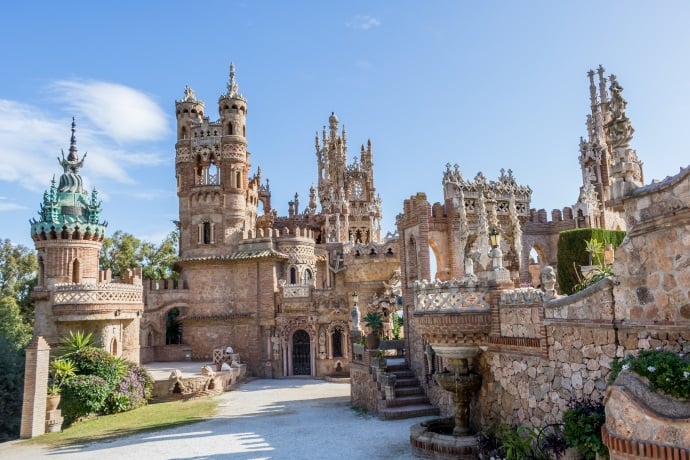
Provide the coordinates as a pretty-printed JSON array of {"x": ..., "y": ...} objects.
[{"x": 153, "y": 417}]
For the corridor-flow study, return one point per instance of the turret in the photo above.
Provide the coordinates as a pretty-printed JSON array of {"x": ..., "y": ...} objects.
[
  {"x": 189, "y": 111},
  {"x": 67, "y": 234}
]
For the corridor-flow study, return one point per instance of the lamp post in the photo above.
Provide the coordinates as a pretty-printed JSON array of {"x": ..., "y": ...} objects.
[
  {"x": 355, "y": 313},
  {"x": 496, "y": 254}
]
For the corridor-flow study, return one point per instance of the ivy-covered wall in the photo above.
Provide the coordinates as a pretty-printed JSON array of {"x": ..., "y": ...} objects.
[{"x": 572, "y": 253}]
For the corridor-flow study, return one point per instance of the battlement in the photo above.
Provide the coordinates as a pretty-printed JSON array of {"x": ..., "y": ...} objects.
[{"x": 283, "y": 233}]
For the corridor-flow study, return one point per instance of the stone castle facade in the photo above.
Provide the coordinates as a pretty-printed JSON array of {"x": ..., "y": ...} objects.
[{"x": 277, "y": 289}]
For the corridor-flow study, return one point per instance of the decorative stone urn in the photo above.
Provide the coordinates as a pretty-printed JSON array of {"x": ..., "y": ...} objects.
[{"x": 461, "y": 382}]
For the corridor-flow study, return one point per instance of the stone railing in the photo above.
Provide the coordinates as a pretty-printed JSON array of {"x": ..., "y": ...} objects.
[
  {"x": 445, "y": 296},
  {"x": 292, "y": 291},
  {"x": 102, "y": 293},
  {"x": 522, "y": 296}
]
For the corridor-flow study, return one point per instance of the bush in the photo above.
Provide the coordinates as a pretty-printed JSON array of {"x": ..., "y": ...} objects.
[
  {"x": 98, "y": 362},
  {"x": 572, "y": 253},
  {"x": 133, "y": 391},
  {"x": 666, "y": 371},
  {"x": 11, "y": 389},
  {"x": 83, "y": 395},
  {"x": 582, "y": 423}
]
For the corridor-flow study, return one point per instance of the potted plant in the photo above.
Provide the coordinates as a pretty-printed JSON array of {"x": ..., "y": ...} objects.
[
  {"x": 61, "y": 369},
  {"x": 374, "y": 321}
]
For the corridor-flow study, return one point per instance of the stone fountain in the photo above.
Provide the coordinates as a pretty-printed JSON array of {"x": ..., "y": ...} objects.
[
  {"x": 461, "y": 382},
  {"x": 434, "y": 438}
]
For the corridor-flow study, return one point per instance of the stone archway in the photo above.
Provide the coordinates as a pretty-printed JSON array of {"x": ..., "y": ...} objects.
[{"x": 301, "y": 353}]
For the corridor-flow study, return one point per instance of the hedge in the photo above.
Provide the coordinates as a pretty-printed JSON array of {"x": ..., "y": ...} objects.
[{"x": 571, "y": 252}]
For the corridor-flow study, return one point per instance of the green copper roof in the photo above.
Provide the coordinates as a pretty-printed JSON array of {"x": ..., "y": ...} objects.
[{"x": 67, "y": 207}]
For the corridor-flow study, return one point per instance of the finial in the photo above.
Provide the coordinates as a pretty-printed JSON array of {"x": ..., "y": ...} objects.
[
  {"x": 602, "y": 85},
  {"x": 72, "y": 156},
  {"x": 232, "y": 85},
  {"x": 592, "y": 89}
]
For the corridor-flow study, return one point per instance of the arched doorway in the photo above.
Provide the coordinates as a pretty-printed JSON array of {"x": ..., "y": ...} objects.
[{"x": 301, "y": 353}]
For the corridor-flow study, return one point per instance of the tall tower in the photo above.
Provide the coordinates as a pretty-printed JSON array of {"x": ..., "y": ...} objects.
[
  {"x": 217, "y": 198},
  {"x": 347, "y": 194},
  {"x": 72, "y": 294},
  {"x": 67, "y": 234}
]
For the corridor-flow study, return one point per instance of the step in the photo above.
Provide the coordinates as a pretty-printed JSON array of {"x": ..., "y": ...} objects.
[
  {"x": 406, "y": 374},
  {"x": 415, "y": 410},
  {"x": 407, "y": 400},
  {"x": 408, "y": 391},
  {"x": 407, "y": 382}
]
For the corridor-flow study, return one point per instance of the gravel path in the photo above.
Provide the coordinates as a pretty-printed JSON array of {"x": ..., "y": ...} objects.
[{"x": 262, "y": 419}]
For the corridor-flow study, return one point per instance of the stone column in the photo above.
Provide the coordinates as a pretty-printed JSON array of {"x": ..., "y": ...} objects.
[{"x": 35, "y": 388}]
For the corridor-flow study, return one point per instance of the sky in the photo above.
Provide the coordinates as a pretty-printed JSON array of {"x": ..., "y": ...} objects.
[{"x": 484, "y": 84}]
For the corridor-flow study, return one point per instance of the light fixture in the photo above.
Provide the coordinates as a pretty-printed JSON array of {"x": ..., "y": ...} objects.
[
  {"x": 494, "y": 238},
  {"x": 355, "y": 297}
]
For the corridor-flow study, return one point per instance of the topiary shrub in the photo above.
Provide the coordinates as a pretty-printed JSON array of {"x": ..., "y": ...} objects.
[
  {"x": 133, "y": 390},
  {"x": 83, "y": 395},
  {"x": 572, "y": 253}
]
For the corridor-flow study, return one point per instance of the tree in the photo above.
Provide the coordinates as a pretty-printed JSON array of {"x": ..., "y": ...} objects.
[
  {"x": 18, "y": 276},
  {"x": 159, "y": 260},
  {"x": 124, "y": 251},
  {"x": 120, "y": 252},
  {"x": 12, "y": 325}
]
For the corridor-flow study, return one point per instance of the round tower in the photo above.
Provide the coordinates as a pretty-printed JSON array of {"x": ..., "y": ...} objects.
[
  {"x": 232, "y": 108},
  {"x": 67, "y": 234}
]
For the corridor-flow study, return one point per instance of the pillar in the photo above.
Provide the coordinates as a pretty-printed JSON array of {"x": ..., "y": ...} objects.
[{"x": 35, "y": 388}]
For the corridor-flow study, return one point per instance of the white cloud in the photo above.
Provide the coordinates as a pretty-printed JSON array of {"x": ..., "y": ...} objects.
[
  {"x": 107, "y": 115},
  {"x": 363, "y": 22},
  {"x": 11, "y": 207},
  {"x": 120, "y": 112}
]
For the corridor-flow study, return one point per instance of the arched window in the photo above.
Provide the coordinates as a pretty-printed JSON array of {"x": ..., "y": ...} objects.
[
  {"x": 293, "y": 275},
  {"x": 207, "y": 233},
  {"x": 41, "y": 271},
  {"x": 337, "y": 342},
  {"x": 230, "y": 132},
  {"x": 238, "y": 179},
  {"x": 173, "y": 327},
  {"x": 307, "y": 276},
  {"x": 113, "y": 347},
  {"x": 244, "y": 131},
  {"x": 149, "y": 339},
  {"x": 76, "y": 276}
]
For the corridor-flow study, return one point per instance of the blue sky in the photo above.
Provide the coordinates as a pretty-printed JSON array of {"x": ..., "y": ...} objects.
[{"x": 487, "y": 85}]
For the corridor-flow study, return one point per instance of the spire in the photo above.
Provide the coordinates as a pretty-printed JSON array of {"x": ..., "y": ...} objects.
[
  {"x": 232, "y": 84},
  {"x": 602, "y": 85},
  {"x": 72, "y": 156},
  {"x": 592, "y": 90}
]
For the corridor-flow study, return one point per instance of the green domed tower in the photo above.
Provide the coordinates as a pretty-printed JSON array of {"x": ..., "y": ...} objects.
[
  {"x": 72, "y": 294},
  {"x": 67, "y": 234}
]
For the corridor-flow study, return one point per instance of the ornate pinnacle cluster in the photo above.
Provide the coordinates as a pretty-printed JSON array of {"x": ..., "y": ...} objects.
[
  {"x": 66, "y": 206},
  {"x": 232, "y": 85}
]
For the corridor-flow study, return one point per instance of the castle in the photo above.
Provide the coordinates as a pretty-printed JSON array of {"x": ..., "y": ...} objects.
[{"x": 287, "y": 292}]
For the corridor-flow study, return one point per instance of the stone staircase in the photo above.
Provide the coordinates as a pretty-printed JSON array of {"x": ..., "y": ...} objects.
[{"x": 407, "y": 399}]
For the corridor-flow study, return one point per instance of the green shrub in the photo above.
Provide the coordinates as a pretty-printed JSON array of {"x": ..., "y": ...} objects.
[
  {"x": 98, "y": 362},
  {"x": 572, "y": 253},
  {"x": 665, "y": 370},
  {"x": 11, "y": 389},
  {"x": 83, "y": 395},
  {"x": 133, "y": 390},
  {"x": 582, "y": 423}
]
